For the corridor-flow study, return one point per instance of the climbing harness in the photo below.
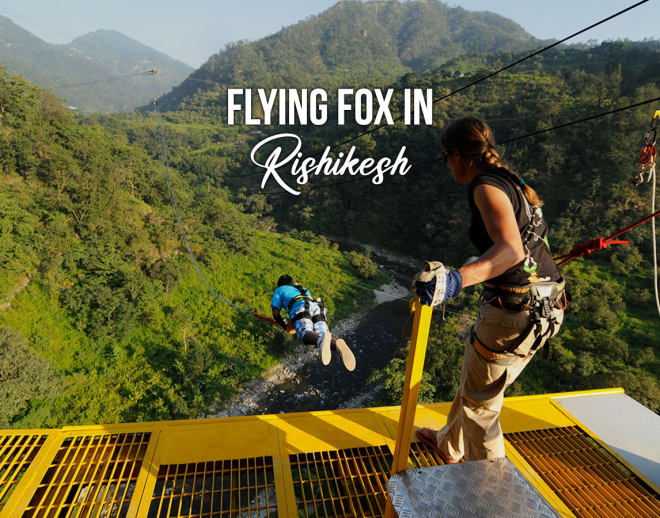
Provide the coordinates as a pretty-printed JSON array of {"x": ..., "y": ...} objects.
[
  {"x": 529, "y": 233},
  {"x": 305, "y": 314},
  {"x": 539, "y": 298},
  {"x": 303, "y": 296},
  {"x": 511, "y": 354}
]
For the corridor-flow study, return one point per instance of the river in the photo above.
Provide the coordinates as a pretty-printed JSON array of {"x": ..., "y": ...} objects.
[{"x": 300, "y": 382}]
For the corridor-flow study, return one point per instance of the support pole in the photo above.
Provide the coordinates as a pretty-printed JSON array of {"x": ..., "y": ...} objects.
[{"x": 416, "y": 354}]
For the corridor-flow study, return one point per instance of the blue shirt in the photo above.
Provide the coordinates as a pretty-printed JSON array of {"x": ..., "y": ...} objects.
[{"x": 282, "y": 297}]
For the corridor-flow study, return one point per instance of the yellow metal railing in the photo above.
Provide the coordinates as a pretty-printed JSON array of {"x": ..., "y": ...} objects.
[
  {"x": 90, "y": 476},
  {"x": 590, "y": 481},
  {"x": 348, "y": 482},
  {"x": 17, "y": 452},
  {"x": 313, "y": 464},
  {"x": 414, "y": 369},
  {"x": 238, "y": 487},
  {"x": 328, "y": 463}
]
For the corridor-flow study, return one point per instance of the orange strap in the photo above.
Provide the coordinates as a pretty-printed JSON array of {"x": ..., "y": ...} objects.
[{"x": 487, "y": 353}]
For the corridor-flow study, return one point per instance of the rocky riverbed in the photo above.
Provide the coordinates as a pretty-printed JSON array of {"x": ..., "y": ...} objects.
[{"x": 300, "y": 382}]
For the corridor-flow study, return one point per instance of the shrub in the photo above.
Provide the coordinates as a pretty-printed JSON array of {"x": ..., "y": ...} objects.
[{"x": 363, "y": 264}]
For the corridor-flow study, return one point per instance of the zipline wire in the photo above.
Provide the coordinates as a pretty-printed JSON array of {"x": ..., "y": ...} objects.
[
  {"x": 507, "y": 141},
  {"x": 164, "y": 162},
  {"x": 106, "y": 80},
  {"x": 585, "y": 119},
  {"x": 496, "y": 72},
  {"x": 54, "y": 30},
  {"x": 476, "y": 82}
]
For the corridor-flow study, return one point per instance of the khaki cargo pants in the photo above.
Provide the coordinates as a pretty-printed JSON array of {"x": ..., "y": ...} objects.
[{"x": 473, "y": 426}]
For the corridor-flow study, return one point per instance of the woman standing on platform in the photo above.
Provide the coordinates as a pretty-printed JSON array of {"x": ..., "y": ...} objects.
[{"x": 523, "y": 300}]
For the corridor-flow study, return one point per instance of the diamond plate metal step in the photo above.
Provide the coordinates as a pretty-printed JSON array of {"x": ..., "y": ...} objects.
[{"x": 480, "y": 489}]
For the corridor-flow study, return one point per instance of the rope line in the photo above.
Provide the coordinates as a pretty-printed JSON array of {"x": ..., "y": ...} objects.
[
  {"x": 499, "y": 71},
  {"x": 106, "y": 80},
  {"x": 164, "y": 161},
  {"x": 51, "y": 28},
  {"x": 601, "y": 243},
  {"x": 508, "y": 141},
  {"x": 647, "y": 165},
  {"x": 585, "y": 119},
  {"x": 655, "y": 247},
  {"x": 473, "y": 83}
]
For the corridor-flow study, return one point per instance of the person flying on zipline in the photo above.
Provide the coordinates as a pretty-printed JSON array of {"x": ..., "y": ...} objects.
[{"x": 309, "y": 320}]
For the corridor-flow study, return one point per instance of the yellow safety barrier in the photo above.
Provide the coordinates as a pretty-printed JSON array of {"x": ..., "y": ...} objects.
[
  {"x": 414, "y": 369},
  {"x": 321, "y": 464},
  {"x": 327, "y": 463}
]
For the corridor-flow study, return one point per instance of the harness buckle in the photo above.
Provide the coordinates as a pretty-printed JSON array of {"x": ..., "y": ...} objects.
[{"x": 546, "y": 312}]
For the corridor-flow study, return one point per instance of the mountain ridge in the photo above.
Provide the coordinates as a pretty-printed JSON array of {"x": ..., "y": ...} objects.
[
  {"x": 83, "y": 72},
  {"x": 354, "y": 41}
]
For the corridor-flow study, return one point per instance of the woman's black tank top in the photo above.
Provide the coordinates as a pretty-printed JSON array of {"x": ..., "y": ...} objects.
[{"x": 538, "y": 266}]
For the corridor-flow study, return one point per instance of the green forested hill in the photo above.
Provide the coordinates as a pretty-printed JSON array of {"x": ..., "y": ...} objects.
[
  {"x": 584, "y": 174},
  {"x": 78, "y": 71},
  {"x": 102, "y": 315},
  {"x": 611, "y": 336},
  {"x": 595, "y": 161},
  {"x": 351, "y": 42},
  {"x": 98, "y": 297}
]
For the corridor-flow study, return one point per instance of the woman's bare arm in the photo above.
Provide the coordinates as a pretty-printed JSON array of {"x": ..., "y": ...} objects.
[{"x": 498, "y": 216}]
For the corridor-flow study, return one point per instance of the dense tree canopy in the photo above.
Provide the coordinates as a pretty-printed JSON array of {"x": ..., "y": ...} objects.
[
  {"x": 103, "y": 318},
  {"x": 583, "y": 173},
  {"x": 102, "y": 315}
]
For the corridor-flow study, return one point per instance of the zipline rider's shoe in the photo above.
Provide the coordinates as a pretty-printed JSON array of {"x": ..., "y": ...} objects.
[
  {"x": 325, "y": 348},
  {"x": 347, "y": 355}
]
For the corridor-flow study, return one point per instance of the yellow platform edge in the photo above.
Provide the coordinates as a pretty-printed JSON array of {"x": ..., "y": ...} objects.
[{"x": 281, "y": 435}]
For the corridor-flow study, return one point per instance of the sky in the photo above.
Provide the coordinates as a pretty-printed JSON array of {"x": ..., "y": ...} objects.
[{"x": 194, "y": 30}]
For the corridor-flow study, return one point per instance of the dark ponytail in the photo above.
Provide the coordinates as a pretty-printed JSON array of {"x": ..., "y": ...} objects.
[{"x": 474, "y": 140}]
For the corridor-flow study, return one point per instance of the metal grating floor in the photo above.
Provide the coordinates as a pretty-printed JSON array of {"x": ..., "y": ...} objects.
[
  {"x": 424, "y": 457},
  {"x": 90, "y": 476},
  {"x": 219, "y": 489},
  {"x": 590, "y": 481},
  {"x": 16, "y": 454},
  {"x": 350, "y": 482}
]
